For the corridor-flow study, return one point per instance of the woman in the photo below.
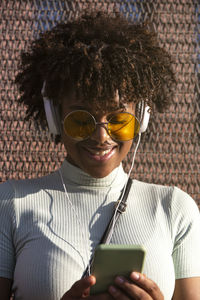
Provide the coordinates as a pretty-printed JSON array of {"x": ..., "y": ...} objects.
[{"x": 96, "y": 79}]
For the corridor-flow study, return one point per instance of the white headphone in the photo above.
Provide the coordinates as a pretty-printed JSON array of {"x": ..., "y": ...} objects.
[
  {"x": 144, "y": 115},
  {"x": 52, "y": 114},
  {"x": 53, "y": 119}
]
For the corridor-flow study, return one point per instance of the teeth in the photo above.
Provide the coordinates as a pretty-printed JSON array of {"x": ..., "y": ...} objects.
[{"x": 101, "y": 153}]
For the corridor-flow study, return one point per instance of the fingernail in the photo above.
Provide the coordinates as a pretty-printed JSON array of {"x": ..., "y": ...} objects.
[
  {"x": 119, "y": 279},
  {"x": 112, "y": 289},
  {"x": 92, "y": 279},
  {"x": 135, "y": 276}
]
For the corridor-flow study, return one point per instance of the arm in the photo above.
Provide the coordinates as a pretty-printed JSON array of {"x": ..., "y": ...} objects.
[
  {"x": 187, "y": 289},
  {"x": 7, "y": 252},
  {"x": 186, "y": 232},
  {"x": 5, "y": 288}
]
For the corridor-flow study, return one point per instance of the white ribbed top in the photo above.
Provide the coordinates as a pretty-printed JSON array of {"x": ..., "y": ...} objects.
[{"x": 45, "y": 243}]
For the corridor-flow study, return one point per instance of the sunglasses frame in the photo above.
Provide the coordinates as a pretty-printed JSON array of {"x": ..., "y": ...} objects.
[{"x": 104, "y": 124}]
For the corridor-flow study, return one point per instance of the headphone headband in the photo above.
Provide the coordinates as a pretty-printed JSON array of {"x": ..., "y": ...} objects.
[{"x": 52, "y": 114}]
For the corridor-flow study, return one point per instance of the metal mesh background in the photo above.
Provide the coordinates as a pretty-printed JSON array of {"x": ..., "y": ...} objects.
[{"x": 169, "y": 151}]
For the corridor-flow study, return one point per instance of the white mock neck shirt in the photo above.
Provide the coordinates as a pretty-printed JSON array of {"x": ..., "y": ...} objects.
[{"x": 46, "y": 240}]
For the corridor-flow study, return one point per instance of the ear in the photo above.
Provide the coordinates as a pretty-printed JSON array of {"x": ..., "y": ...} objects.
[{"x": 52, "y": 114}]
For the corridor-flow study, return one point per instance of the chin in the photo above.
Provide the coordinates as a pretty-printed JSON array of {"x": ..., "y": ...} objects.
[{"x": 98, "y": 173}]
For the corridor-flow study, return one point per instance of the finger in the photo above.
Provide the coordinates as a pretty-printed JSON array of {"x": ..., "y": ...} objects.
[
  {"x": 147, "y": 284},
  {"x": 80, "y": 288},
  {"x": 117, "y": 293},
  {"x": 104, "y": 296},
  {"x": 129, "y": 290}
]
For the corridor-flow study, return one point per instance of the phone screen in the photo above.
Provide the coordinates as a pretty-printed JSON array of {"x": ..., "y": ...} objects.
[{"x": 113, "y": 260}]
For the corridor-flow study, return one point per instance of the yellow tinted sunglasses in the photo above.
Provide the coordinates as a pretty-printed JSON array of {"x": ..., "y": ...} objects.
[{"x": 80, "y": 125}]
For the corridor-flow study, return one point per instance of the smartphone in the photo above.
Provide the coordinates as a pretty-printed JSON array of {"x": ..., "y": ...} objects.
[{"x": 112, "y": 260}]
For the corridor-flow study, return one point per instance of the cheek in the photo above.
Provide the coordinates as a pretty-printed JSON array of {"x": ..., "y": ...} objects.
[
  {"x": 125, "y": 148},
  {"x": 69, "y": 144}
]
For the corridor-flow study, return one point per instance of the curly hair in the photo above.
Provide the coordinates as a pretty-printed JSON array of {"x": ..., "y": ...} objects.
[{"x": 97, "y": 54}]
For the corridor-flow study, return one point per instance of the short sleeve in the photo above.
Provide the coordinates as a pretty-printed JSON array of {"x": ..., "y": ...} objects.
[
  {"x": 7, "y": 253},
  {"x": 186, "y": 235}
]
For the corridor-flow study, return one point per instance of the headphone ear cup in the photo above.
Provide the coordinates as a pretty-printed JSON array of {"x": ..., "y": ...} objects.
[
  {"x": 52, "y": 117},
  {"x": 52, "y": 114},
  {"x": 144, "y": 116}
]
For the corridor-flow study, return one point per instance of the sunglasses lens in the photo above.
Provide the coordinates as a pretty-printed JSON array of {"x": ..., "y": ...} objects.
[
  {"x": 123, "y": 127},
  {"x": 79, "y": 125}
]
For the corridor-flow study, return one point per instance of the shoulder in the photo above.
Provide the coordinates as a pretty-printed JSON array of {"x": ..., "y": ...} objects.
[
  {"x": 153, "y": 196},
  {"x": 16, "y": 189},
  {"x": 7, "y": 195},
  {"x": 172, "y": 198},
  {"x": 182, "y": 202},
  {"x": 6, "y": 190},
  {"x": 151, "y": 190}
]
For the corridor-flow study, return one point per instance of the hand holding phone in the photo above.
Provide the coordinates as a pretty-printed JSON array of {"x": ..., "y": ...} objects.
[{"x": 113, "y": 260}]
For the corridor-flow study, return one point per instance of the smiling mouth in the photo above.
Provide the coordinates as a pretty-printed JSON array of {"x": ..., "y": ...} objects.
[{"x": 100, "y": 154}]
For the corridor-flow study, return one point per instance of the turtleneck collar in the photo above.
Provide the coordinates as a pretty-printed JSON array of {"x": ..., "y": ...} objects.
[{"x": 76, "y": 176}]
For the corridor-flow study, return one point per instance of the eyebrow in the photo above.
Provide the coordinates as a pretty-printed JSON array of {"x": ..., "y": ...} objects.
[
  {"x": 83, "y": 107},
  {"x": 78, "y": 106}
]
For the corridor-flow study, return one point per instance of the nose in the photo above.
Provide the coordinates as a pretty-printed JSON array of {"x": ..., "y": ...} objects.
[{"x": 100, "y": 134}]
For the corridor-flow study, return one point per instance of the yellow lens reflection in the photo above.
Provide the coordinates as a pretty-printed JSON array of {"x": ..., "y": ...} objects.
[
  {"x": 123, "y": 126},
  {"x": 79, "y": 125}
]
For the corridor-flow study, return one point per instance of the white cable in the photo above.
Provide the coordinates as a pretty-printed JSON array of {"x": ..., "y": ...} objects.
[
  {"x": 78, "y": 220},
  {"x": 114, "y": 217},
  {"x": 129, "y": 173}
]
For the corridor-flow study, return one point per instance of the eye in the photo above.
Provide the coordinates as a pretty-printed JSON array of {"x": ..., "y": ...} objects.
[
  {"x": 81, "y": 119},
  {"x": 120, "y": 118},
  {"x": 81, "y": 122}
]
